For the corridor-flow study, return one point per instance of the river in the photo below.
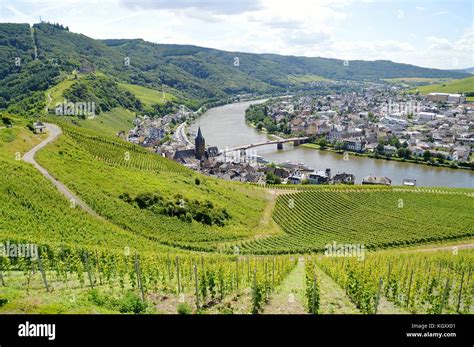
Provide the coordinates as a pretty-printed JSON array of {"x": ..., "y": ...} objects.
[{"x": 225, "y": 126}]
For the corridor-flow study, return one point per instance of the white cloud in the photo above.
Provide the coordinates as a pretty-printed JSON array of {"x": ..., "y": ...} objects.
[
  {"x": 373, "y": 46},
  {"x": 212, "y": 6},
  {"x": 439, "y": 43},
  {"x": 303, "y": 38},
  {"x": 466, "y": 41}
]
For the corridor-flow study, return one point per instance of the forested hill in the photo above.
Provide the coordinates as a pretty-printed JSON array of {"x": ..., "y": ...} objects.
[{"x": 196, "y": 74}]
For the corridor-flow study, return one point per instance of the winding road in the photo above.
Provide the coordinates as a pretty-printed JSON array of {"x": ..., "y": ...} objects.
[
  {"x": 180, "y": 135},
  {"x": 29, "y": 157}
]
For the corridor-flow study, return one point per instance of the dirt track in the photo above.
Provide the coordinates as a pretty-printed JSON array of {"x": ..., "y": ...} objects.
[{"x": 29, "y": 157}]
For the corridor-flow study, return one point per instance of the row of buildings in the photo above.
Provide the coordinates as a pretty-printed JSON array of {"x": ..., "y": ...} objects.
[{"x": 360, "y": 121}]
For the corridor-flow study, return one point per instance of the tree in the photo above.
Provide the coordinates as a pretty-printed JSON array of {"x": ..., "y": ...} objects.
[
  {"x": 426, "y": 155},
  {"x": 380, "y": 147},
  {"x": 394, "y": 141},
  {"x": 340, "y": 145},
  {"x": 372, "y": 118},
  {"x": 271, "y": 178},
  {"x": 404, "y": 153},
  {"x": 322, "y": 142}
]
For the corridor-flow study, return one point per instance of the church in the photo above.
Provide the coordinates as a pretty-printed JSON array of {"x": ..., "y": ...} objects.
[
  {"x": 199, "y": 152},
  {"x": 199, "y": 145}
]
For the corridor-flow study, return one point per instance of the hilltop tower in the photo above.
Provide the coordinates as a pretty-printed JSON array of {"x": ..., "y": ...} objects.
[{"x": 199, "y": 145}]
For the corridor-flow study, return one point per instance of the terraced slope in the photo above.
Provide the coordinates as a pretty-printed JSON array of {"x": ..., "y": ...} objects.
[
  {"x": 34, "y": 211},
  {"x": 109, "y": 175},
  {"x": 377, "y": 218}
]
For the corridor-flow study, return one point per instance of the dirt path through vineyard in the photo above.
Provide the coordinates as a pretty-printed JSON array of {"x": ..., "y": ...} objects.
[
  {"x": 29, "y": 157},
  {"x": 333, "y": 298},
  {"x": 288, "y": 298}
]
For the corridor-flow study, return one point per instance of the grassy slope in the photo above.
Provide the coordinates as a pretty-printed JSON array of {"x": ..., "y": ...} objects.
[
  {"x": 56, "y": 92},
  {"x": 148, "y": 96},
  {"x": 115, "y": 120},
  {"x": 33, "y": 209},
  {"x": 415, "y": 80},
  {"x": 463, "y": 85},
  {"x": 107, "y": 123},
  {"x": 92, "y": 180},
  {"x": 308, "y": 78},
  {"x": 374, "y": 218}
]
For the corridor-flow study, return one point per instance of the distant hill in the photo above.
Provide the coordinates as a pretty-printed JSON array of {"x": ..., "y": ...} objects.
[
  {"x": 194, "y": 75},
  {"x": 468, "y": 70}
]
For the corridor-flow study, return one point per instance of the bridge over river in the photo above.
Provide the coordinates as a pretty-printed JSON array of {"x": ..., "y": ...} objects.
[{"x": 279, "y": 142}]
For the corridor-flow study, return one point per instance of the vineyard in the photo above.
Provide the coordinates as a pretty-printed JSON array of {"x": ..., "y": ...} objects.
[
  {"x": 377, "y": 218},
  {"x": 417, "y": 282},
  {"x": 425, "y": 282},
  {"x": 121, "y": 153},
  {"x": 134, "y": 260},
  {"x": 86, "y": 162},
  {"x": 200, "y": 281}
]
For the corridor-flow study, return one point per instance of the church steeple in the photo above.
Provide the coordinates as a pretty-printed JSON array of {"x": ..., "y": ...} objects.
[
  {"x": 199, "y": 134},
  {"x": 199, "y": 145}
]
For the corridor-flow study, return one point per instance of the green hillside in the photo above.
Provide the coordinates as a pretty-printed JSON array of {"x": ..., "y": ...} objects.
[
  {"x": 148, "y": 96},
  {"x": 194, "y": 75},
  {"x": 108, "y": 123},
  {"x": 464, "y": 86},
  {"x": 417, "y": 81},
  {"x": 187, "y": 209},
  {"x": 377, "y": 218},
  {"x": 55, "y": 94},
  {"x": 34, "y": 211}
]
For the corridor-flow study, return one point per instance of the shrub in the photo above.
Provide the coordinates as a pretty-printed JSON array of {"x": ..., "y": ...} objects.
[
  {"x": 145, "y": 200},
  {"x": 187, "y": 210},
  {"x": 183, "y": 308},
  {"x": 132, "y": 303}
]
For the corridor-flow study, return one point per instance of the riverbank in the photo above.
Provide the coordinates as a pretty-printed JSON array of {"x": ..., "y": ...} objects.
[
  {"x": 374, "y": 156},
  {"x": 367, "y": 155},
  {"x": 225, "y": 126}
]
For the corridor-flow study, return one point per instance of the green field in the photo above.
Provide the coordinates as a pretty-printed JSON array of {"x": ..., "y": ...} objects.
[
  {"x": 308, "y": 78},
  {"x": 107, "y": 123},
  {"x": 433, "y": 282},
  {"x": 148, "y": 96},
  {"x": 417, "y": 81},
  {"x": 464, "y": 85},
  {"x": 37, "y": 212},
  {"x": 377, "y": 218}
]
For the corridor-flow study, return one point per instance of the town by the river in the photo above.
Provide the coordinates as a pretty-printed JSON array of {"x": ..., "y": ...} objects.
[{"x": 225, "y": 126}]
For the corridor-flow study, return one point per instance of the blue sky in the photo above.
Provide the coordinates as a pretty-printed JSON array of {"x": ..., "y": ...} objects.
[{"x": 435, "y": 33}]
